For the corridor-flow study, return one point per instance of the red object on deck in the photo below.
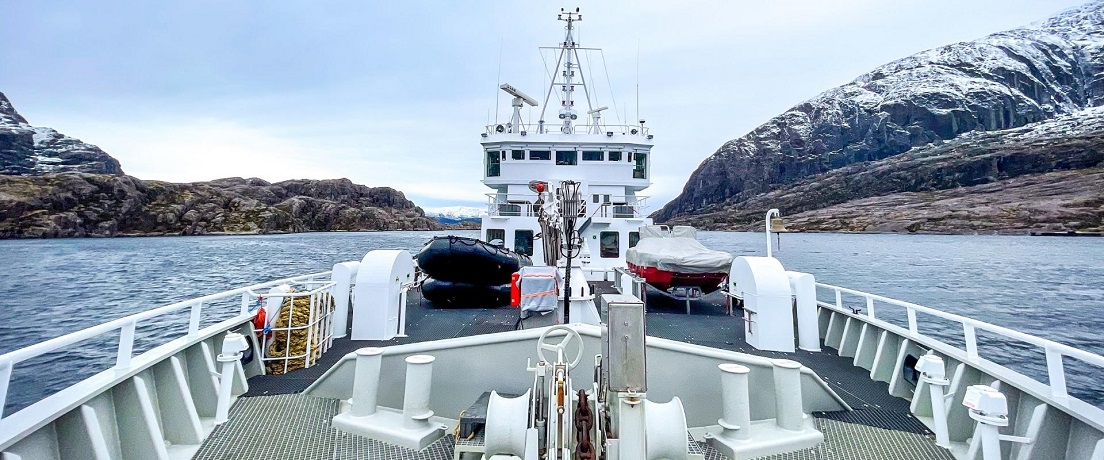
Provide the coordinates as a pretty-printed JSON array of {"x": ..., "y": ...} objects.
[
  {"x": 663, "y": 279},
  {"x": 515, "y": 289}
]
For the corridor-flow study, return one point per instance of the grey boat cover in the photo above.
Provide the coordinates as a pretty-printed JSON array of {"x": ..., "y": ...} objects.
[
  {"x": 538, "y": 286},
  {"x": 678, "y": 252}
]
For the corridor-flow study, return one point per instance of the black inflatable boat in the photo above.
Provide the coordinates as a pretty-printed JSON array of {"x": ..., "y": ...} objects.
[
  {"x": 450, "y": 294},
  {"x": 468, "y": 260}
]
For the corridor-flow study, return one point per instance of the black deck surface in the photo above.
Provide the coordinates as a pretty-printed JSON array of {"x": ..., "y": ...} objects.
[{"x": 707, "y": 325}]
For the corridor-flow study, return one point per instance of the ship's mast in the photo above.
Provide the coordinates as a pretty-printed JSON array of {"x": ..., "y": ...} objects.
[
  {"x": 569, "y": 54},
  {"x": 567, "y": 111}
]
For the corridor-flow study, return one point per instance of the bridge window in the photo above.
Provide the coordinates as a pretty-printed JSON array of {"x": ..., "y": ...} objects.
[
  {"x": 634, "y": 237},
  {"x": 567, "y": 157},
  {"x": 540, "y": 155},
  {"x": 610, "y": 243},
  {"x": 496, "y": 236},
  {"x": 493, "y": 163},
  {"x": 518, "y": 154},
  {"x": 615, "y": 156},
  {"x": 641, "y": 169},
  {"x": 592, "y": 155},
  {"x": 523, "y": 242}
]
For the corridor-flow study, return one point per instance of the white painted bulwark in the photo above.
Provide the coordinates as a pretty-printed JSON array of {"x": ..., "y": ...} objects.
[
  {"x": 344, "y": 276},
  {"x": 803, "y": 288},
  {"x": 378, "y": 298},
  {"x": 768, "y": 305}
]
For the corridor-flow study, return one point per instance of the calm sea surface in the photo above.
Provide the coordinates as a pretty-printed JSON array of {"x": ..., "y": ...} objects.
[{"x": 1052, "y": 287}]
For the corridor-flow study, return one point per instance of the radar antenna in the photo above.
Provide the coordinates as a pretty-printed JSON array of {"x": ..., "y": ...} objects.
[
  {"x": 596, "y": 116},
  {"x": 519, "y": 98}
]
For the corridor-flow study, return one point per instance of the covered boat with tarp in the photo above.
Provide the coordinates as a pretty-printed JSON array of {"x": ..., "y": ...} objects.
[{"x": 676, "y": 259}]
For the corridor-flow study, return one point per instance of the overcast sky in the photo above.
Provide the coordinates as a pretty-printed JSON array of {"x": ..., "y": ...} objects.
[{"x": 395, "y": 93}]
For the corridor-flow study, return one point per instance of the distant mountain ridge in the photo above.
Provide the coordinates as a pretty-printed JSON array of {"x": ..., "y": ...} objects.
[
  {"x": 29, "y": 150},
  {"x": 456, "y": 212},
  {"x": 1003, "y": 81},
  {"x": 457, "y": 216},
  {"x": 1045, "y": 176}
]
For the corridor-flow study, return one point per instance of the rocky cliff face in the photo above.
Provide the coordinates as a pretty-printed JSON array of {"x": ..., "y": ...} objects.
[
  {"x": 27, "y": 150},
  {"x": 1006, "y": 80},
  {"x": 1046, "y": 176},
  {"x": 77, "y": 204}
]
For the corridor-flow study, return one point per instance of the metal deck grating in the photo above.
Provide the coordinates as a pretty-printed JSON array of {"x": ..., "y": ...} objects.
[
  {"x": 850, "y": 441},
  {"x": 881, "y": 427},
  {"x": 298, "y": 427},
  {"x": 283, "y": 426},
  {"x": 887, "y": 420},
  {"x": 352, "y": 447}
]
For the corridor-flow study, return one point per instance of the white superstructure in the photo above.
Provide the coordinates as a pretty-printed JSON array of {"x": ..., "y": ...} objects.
[{"x": 611, "y": 163}]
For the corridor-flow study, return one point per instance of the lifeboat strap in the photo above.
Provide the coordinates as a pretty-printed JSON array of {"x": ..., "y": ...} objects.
[{"x": 539, "y": 294}]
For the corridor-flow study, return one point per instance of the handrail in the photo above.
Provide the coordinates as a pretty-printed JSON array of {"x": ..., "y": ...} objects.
[
  {"x": 1054, "y": 351},
  {"x": 497, "y": 201},
  {"x": 127, "y": 326},
  {"x": 556, "y": 128}
]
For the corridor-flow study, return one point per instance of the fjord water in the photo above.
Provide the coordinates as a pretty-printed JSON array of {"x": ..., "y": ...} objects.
[{"x": 1047, "y": 286}]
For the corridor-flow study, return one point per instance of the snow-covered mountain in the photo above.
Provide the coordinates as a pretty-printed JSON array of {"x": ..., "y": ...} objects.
[
  {"x": 1002, "y": 81},
  {"x": 27, "y": 150},
  {"x": 456, "y": 212}
]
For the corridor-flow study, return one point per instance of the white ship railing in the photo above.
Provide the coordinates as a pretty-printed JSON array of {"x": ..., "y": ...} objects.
[
  {"x": 1054, "y": 351},
  {"x": 126, "y": 327},
  {"x": 555, "y": 128},
  {"x": 523, "y": 205}
]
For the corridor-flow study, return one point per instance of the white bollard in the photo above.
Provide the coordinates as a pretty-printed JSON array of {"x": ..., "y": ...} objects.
[
  {"x": 232, "y": 347},
  {"x": 419, "y": 377},
  {"x": 736, "y": 409},
  {"x": 366, "y": 381},
  {"x": 787, "y": 394},
  {"x": 933, "y": 372}
]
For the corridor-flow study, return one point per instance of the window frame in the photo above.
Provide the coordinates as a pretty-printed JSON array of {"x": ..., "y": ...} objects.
[
  {"x": 640, "y": 166},
  {"x": 567, "y": 157},
  {"x": 518, "y": 237},
  {"x": 488, "y": 235},
  {"x": 602, "y": 245},
  {"x": 601, "y": 155},
  {"x": 493, "y": 163}
]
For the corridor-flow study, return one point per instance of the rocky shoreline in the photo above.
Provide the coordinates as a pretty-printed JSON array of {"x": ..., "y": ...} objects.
[{"x": 87, "y": 205}]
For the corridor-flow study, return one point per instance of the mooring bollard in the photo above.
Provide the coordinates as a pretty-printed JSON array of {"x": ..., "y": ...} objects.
[
  {"x": 736, "y": 408},
  {"x": 366, "y": 381},
  {"x": 419, "y": 377},
  {"x": 787, "y": 394}
]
